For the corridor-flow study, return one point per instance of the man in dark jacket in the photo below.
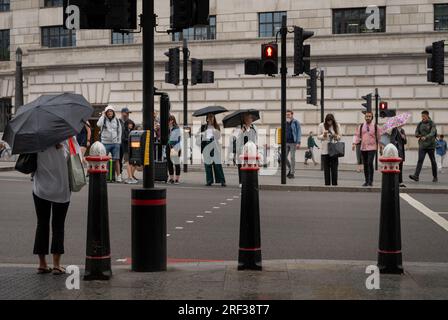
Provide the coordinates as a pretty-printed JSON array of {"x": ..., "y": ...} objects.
[{"x": 426, "y": 133}]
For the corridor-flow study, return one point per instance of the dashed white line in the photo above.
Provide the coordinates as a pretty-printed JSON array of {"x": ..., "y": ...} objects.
[
  {"x": 179, "y": 228},
  {"x": 189, "y": 221},
  {"x": 207, "y": 212},
  {"x": 229, "y": 199},
  {"x": 215, "y": 207},
  {"x": 434, "y": 216},
  {"x": 199, "y": 216},
  {"x": 223, "y": 203}
]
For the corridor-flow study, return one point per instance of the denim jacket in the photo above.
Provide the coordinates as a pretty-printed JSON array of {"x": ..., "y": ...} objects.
[{"x": 296, "y": 131}]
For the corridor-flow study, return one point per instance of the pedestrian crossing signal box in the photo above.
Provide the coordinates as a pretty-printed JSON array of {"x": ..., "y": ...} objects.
[{"x": 137, "y": 146}]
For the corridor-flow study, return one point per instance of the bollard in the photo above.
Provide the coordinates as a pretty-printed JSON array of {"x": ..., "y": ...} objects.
[
  {"x": 249, "y": 257},
  {"x": 98, "y": 258},
  {"x": 149, "y": 252},
  {"x": 389, "y": 253}
]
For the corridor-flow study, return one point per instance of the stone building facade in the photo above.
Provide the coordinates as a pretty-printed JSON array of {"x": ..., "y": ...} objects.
[{"x": 355, "y": 64}]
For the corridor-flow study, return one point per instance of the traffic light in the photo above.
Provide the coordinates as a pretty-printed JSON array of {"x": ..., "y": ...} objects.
[
  {"x": 196, "y": 71},
  {"x": 311, "y": 88},
  {"x": 189, "y": 13},
  {"x": 436, "y": 62},
  {"x": 172, "y": 66},
  {"x": 106, "y": 14},
  {"x": 385, "y": 112},
  {"x": 302, "y": 52},
  {"x": 269, "y": 58},
  {"x": 252, "y": 67},
  {"x": 368, "y": 103},
  {"x": 165, "y": 106},
  {"x": 208, "y": 77}
]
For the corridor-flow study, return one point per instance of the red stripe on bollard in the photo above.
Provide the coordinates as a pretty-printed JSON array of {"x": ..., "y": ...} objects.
[
  {"x": 148, "y": 203},
  {"x": 98, "y": 258}
]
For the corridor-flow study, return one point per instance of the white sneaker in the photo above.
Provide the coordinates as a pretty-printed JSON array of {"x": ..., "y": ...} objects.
[
  {"x": 131, "y": 181},
  {"x": 119, "y": 179}
]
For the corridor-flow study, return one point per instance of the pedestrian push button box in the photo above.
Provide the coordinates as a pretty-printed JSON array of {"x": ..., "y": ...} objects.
[{"x": 137, "y": 143}]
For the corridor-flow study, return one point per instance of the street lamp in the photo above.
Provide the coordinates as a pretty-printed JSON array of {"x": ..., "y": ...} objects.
[{"x": 19, "y": 80}]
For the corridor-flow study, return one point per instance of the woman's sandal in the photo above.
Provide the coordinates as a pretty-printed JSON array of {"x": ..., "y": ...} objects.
[
  {"x": 44, "y": 270},
  {"x": 58, "y": 271}
]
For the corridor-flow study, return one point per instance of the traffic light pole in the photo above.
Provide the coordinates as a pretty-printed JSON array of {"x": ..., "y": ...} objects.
[
  {"x": 283, "y": 72},
  {"x": 322, "y": 108},
  {"x": 148, "y": 215},
  {"x": 186, "y": 54},
  {"x": 377, "y": 103},
  {"x": 148, "y": 87}
]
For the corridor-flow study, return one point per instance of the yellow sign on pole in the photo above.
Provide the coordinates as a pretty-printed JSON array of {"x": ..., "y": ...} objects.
[{"x": 147, "y": 146}]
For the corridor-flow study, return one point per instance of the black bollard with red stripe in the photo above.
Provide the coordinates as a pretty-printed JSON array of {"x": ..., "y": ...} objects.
[
  {"x": 149, "y": 251},
  {"x": 389, "y": 253},
  {"x": 249, "y": 256},
  {"x": 98, "y": 257}
]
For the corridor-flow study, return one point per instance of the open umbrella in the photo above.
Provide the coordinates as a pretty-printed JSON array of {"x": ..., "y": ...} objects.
[
  {"x": 236, "y": 119},
  {"x": 207, "y": 110},
  {"x": 397, "y": 121},
  {"x": 47, "y": 121}
]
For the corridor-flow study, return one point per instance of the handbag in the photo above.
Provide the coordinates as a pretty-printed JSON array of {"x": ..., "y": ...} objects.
[
  {"x": 336, "y": 149},
  {"x": 76, "y": 175},
  {"x": 174, "y": 156},
  {"x": 308, "y": 155},
  {"x": 27, "y": 163}
]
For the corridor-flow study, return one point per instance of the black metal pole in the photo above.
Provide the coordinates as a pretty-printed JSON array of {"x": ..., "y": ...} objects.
[
  {"x": 148, "y": 215},
  {"x": 19, "y": 80},
  {"x": 377, "y": 103},
  {"x": 322, "y": 108},
  {"x": 284, "y": 72},
  {"x": 186, "y": 53},
  {"x": 148, "y": 88}
]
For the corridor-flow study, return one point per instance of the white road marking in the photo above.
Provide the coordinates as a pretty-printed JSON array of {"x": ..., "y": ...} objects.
[
  {"x": 434, "y": 216},
  {"x": 179, "y": 228},
  {"x": 223, "y": 203},
  {"x": 207, "y": 212},
  {"x": 229, "y": 199},
  {"x": 199, "y": 216},
  {"x": 215, "y": 207},
  {"x": 236, "y": 197},
  {"x": 189, "y": 221}
]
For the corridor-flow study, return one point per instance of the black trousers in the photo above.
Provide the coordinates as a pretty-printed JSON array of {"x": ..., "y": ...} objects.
[
  {"x": 44, "y": 210},
  {"x": 330, "y": 169},
  {"x": 368, "y": 157},
  {"x": 171, "y": 165},
  {"x": 421, "y": 158}
]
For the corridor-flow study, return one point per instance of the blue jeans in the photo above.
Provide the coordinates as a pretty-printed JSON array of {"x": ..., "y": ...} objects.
[{"x": 114, "y": 150}]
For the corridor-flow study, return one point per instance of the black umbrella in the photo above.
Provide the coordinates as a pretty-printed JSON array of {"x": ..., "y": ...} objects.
[
  {"x": 207, "y": 110},
  {"x": 236, "y": 119},
  {"x": 47, "y": 121}
]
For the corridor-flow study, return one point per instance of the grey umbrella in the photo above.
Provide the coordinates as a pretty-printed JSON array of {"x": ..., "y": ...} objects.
[
  {"x": 236, "y": 119},
  {"x": 207, "y": 110},
  {"x": 47, "y": 121}
]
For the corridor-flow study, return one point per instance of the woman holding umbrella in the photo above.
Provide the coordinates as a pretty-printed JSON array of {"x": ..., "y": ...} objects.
[
  {"x": 210, "y": 134},
  {"x": 41, "y": 128},
  {"x": 243, "y": 120}
]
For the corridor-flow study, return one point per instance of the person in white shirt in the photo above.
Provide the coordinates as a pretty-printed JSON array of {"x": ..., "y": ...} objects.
[{"x": 329, "y": 132}]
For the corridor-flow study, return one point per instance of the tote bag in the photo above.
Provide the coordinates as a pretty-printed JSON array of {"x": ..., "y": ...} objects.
[
  {"x": 336, "y": 149},
  {"x": 76, "y": 175}
]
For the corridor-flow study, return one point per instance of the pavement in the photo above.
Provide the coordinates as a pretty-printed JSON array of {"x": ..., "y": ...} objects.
[{"x": 279, "y": 280}]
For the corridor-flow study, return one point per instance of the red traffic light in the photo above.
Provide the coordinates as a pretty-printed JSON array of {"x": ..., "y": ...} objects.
[
  {"x": 269, "y": 51},
  {"x": 383, "y": 106}
]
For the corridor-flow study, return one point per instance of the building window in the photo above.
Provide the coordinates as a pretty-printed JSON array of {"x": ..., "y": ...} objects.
[
  {"x": 354, "y": 20},
  {"x": 56, "y": 37},
  {"x": 122, "y": 38},
  {"x": 198, "y": 32},
  {"x": 4, "y": 5},
  {"x": 441, "y": 17},
  {"x": 4, "y": 45},
  {"x": 53, "y": 3},
  {"x": 269, "y": 23}
]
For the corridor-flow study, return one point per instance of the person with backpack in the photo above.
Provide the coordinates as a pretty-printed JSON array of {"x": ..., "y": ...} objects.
[
  {"x": 426, "y": 133},
  {"x": 441, "y": 149},
  {"x": 368, "y": 135},
  {"x": 124, "y": 121},
  {"x": 110, "y": 135}
]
